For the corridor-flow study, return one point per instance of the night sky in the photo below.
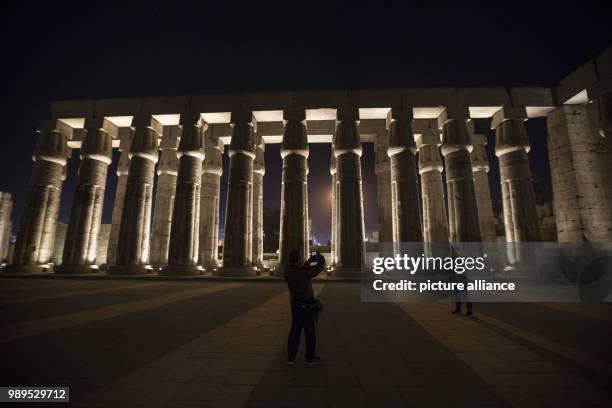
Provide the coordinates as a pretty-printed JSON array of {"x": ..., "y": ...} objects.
[{"x": 94, "y": 50}]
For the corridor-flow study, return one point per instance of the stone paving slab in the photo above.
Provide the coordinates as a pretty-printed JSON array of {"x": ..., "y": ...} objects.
[
  {"x": 374, "y": 354},
  {"x": 219, "y": 368},
  {"x": 37, "y": 327},
  {"x": 524, "y": 379}
]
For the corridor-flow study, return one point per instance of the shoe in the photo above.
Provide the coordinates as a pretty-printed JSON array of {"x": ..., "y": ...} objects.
[
  {"x": 291, "y": 361},
  {"x": 456, "y": 311},
  {"x": 313, "y": 361}
]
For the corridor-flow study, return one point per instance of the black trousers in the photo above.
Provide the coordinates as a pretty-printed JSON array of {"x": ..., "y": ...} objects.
[{"x": 302, "y": 318}]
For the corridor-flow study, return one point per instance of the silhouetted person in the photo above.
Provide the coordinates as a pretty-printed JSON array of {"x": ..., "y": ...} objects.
[
  {"x": 303, "y": 304},
  {"x": 462, "y": 296}
]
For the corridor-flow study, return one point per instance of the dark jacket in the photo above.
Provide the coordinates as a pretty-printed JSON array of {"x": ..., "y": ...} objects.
[{"x": 298, "y": 279}]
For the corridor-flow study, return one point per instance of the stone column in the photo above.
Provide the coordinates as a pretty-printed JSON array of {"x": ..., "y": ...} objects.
[
  {"x": 480, "y": 168},
  {"x": 6, "y": 208},
  {"x": 81, "y": 245},
  {"x": 259, "y": 169},
  {"x": 383, "y": 187},
  {"x": 604, "y": 103},
  {"x": 212, "y": 170},
  {"x": 123, "y": 168},
  {"x": 511, "y": 147},
  {"x": 462, "y": 207},
  {"x": 34, "y": 245},
  {"x": 185, "y": 233},
  {"x": 581, "y": 167},
  {"x": 404, "y": 190},
  {"x": 167, "y": 170},
  {"x": 351, "y": 231},
  {"x": 294, "y": 193},
  {"x": 435, "y": 227},
  {"x": 334, "y": 215},
  {"x": 237, "y": 248},
  {"x": 133, "y": 248}
]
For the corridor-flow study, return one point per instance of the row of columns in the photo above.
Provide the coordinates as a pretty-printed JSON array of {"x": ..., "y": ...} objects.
[{"x": 188, "y": 192}]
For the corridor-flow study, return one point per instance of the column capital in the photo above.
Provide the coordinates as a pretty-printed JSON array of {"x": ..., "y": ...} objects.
[
  {"x": 398, "y": 114},
  {"x": 508, "y": 113},
  {"x": 295, "y": 139},
  {"x": 168, "y": 162},
  {"x": 294, "y": 114},
  {"x": 401, "y": 137},
  {"x": 242, "y": 116},
  {"x": 213, "y": 160},
  {"x": 259, "y": 166},
  {"x": 51, "y": 145},
  {"x": 145, "y": 143},
  {"x": 428, "y": 139},
  {"x": 243, "y": 128},
  {"x": 346, "y": 138},
  {"x": 94, "y": 122},
  {"x": 97, "y": 145},
  {"x": 347, "y": 113},
  {"x": 455, "y": 136},
  {"x": 510, "y": 136},
  {"x": 170, "y": 137},
  {"x": 479, "y": 153},
  {"x": 192, "y": 140},
  {"x": 453, "y": 113},
  {"x": 125, "y": 140}
]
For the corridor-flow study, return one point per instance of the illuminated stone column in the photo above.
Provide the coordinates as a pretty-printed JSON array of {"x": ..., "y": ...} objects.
[
  {"x": 511, "y": 147},
  {"x": 480, "y": 168},
  {"x": 259, "y": 169},
  {"x": 581, "y": 167},
  {"x": 167, "y": 170},
  {"x": 334, "y": 214},
  {"x": 212, "y": 170},
  {"x": 404, "y": 189},
  {"x": 123, "y": 168},
  {"x": 34, "y": 245},
  {"x": 351, "y": 234},
  {"x": 604, "y": 103},
  {"x": 383, "y": 187},
  {"x": 81, "y": 245},
  {"x": 294, "y": 194},
  {"x": 185, "y": 233},
  {"x": 237, "y": 247},
  {"x": 435, "y": 227},
  {"x": 6, "y": 208},
  {"x": 133, "y": 247},
  {"x": 462, "y": 207}
]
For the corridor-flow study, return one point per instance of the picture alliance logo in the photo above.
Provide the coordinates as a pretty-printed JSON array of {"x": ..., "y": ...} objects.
[{"x": 412, "y": 265}]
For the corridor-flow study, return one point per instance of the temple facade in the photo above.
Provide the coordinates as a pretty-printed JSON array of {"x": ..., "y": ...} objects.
[{"x": 431, "y": 167}]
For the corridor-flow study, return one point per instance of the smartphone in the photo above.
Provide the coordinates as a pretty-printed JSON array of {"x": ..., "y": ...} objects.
[{"x": 313, "y": 253}]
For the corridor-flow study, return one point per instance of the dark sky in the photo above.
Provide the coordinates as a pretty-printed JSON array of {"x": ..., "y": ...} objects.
[{"x": 91, "y": 50}]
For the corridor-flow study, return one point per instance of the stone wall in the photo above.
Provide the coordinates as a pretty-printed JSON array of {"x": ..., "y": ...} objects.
[
  {"x": 581, "y": 172},
  {"x": 548, "y": 225}
]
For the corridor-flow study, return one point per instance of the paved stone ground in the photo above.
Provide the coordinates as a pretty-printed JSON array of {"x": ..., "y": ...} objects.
[{"x": 130, "y": 343}]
